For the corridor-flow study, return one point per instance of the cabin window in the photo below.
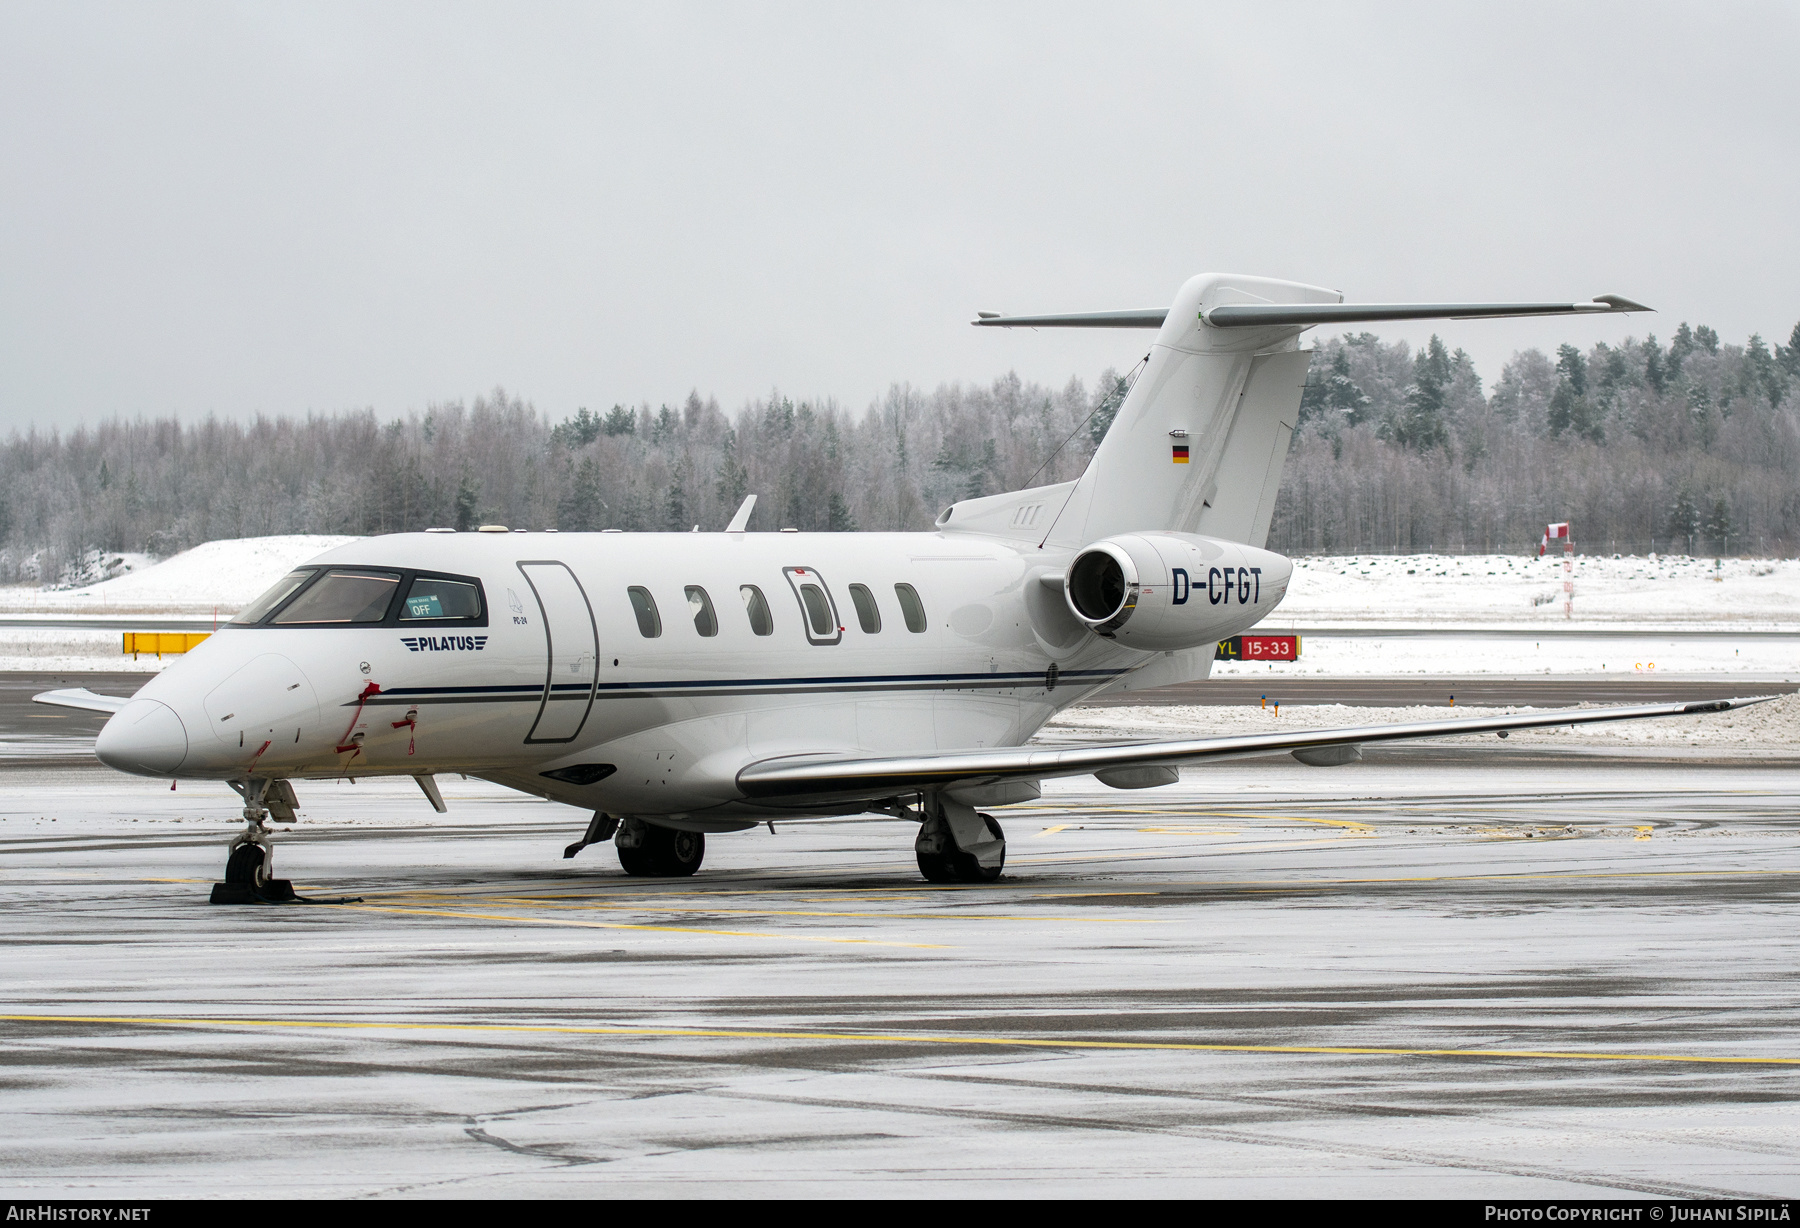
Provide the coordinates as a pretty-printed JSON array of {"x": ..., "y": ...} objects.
[
  {"x": 911, "y": 606},
  {"x": 343, "y": 596},
  {"x": 867, "y": 613},
  {"x": 644, "y": 606},
  {"x": 701, "y": 607},
  {"x": 818, "y": 610},
  {"x": 431, "y": 597},
  {"x": 757, "y": 607},
  {"x": 284, "y": 588}
]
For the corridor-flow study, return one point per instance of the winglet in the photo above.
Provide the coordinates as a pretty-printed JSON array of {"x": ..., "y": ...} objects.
[
  {"x": 81, "y": 697},
  {"x": 742, "y": 518}
]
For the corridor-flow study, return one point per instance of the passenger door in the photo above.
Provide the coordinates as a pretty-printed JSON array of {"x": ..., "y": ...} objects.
[{"x": 571, "y": 650}]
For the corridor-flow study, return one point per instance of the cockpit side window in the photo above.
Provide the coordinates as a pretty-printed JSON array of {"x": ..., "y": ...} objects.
[
  {"x": 439, "y": 597},
  {"x": 343, "y": 595},
  {"x": 283, "y": 588}
]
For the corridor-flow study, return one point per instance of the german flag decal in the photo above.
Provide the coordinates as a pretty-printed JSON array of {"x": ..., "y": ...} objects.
[{"x": 1178, "y": 453}]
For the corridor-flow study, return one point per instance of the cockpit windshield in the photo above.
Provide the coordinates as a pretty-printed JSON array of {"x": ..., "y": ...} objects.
[
  {"x": 365, "y": 596},
  {"x": 284, "y": 588},
  {"x": 343, "y": 595}
]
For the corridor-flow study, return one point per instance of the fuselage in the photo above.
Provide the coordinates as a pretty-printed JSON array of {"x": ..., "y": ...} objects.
[{"x": 639, "y": 673}]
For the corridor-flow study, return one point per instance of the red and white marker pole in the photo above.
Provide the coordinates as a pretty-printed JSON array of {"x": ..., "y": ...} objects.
[{"x": 1562, "y": 530}]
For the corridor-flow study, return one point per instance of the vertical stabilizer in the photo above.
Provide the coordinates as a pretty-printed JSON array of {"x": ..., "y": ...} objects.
[{"x": 1197, "y": 446}]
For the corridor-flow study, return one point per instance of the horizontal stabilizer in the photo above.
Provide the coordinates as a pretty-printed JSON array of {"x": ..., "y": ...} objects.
[
  {"x": 804, "y": 778},
  {"x": 1151, "y": 318},
  {"x": 1306, "y": 315},
  {"x": 81, "y": 697},
  {"x": 1264, "y": 315}
]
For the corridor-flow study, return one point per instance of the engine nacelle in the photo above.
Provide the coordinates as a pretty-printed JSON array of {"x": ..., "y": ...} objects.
[{"x": 1167, "y": 591}]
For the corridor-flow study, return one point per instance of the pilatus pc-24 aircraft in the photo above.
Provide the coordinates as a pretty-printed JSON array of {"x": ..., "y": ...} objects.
[{"x": 680, "y": 685}]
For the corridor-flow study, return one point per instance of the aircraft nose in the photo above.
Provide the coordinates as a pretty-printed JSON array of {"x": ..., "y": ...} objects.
[{"x": 144, "y": 737}]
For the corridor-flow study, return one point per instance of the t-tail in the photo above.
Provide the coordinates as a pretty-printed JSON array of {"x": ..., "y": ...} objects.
[{"x": 1197, "y": 445}]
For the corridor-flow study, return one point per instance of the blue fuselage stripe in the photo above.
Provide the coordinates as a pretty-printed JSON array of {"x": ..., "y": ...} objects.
[{"x": 727, "y": 685}]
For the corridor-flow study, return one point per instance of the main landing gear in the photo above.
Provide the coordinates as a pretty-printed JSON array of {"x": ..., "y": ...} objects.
[
  {"x": 644, "y": 849},
  {"x": 958, "y": 844}
]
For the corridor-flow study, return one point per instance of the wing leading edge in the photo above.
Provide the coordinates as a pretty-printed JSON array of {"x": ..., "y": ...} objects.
[{"x": 810, "y": 779}]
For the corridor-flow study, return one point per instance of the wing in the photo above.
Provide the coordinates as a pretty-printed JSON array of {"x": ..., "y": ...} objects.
[
  {"x": 81, "y": 697},
  {"x": 1263, "y": 315},
  {"x": 808, "y": 779}
]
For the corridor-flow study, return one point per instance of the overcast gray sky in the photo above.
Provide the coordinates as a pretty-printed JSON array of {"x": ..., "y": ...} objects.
[{"x": 268, "y": 207}]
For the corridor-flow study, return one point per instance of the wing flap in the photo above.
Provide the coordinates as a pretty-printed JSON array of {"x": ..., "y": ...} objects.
[{"x": 815, "y": 779}]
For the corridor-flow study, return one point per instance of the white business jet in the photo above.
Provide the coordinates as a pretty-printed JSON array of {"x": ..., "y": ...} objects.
[{"x": 679, "y": 685}]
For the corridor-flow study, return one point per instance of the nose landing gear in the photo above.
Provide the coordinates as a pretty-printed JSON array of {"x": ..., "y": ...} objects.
[{"x": 251, "y": 856}]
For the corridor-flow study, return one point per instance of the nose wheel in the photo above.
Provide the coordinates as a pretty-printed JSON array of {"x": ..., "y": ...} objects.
[{"x": 250, "y": 858}]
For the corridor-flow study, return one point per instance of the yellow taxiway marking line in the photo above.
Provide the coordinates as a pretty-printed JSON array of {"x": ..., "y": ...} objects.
[
  {"x": 1082, "y": 895},
  {"x": 621, "y": 925},
  {"x": 1176, "y": 813},
  {"x": 797, "y": 912},
  {"x": 901, "y": 1038},
  {"x": 1276, "y": 884},
  {"x": 1167, "y": 853},
  {"x": 1049, "y": 831},
  {"x": 1189, "y": 831}
]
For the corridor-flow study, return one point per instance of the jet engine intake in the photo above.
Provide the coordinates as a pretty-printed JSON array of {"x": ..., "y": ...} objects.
[
  {"x": 1103, "y": 586},
  {"x": 1162, "y": 592}
]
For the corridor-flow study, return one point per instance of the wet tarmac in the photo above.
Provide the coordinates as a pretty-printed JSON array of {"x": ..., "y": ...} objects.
[{"x": 1438, "y": 973}]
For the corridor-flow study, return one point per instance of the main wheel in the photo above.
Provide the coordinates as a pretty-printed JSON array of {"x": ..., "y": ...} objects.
[
  {"x": 936, "y": 868},
  {"x": 683, "y": 853},
  {"x": 245, "y": 865},
  {"x": 664, "y": 853},
  {"x": 966, "y": 869}
]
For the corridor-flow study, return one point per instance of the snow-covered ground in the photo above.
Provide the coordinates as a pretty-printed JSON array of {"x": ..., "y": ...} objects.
[
  {"x": 1510, "y": 590},
  {"x": 221, "y": 575},
  {"x": 1625, "y": 612},
  {"x": 1393, "y": 653}
]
